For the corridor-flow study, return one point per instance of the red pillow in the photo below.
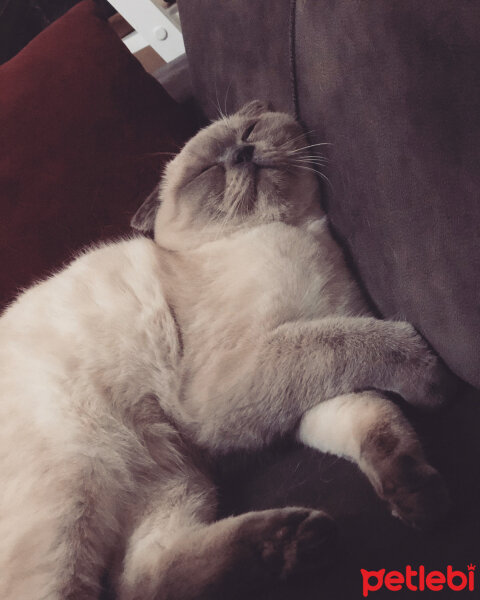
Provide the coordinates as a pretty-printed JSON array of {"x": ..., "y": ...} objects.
[{"x": 79, "y": 121}]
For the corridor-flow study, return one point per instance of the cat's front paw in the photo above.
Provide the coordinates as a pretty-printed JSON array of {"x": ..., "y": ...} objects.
[
  {"x": 421, "y": 377},
  {"x": 415, "y": 492},
  {"x": 430, "y": 384}
]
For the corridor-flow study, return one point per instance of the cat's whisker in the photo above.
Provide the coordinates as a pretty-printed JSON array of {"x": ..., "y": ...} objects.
[
  {"x": 303, "y": 154},
  {"x": 309, "y": 164},
  {"x": 315, "y": 161},
  {"x": 292, "y": 140},
  {"x": 309, "y": 131},
  {"x": 322, "y": 175},
  {"x": 304, "y": 134},
  {"x": 312, "y": 146},
  {"x": 306, "y": 155},
  {"x": 217, "y": 110},
  {"x": 225, "y": 104},
  {"x": 221, "y": 114},
  {"x": 309, "y": 167},
  {"x": 295, "y": 138}
]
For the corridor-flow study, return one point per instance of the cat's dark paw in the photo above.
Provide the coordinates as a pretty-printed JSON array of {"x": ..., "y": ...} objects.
[
  {"x": 443, "y": 386},
  {"x": 291, "y": 540},
  {"x": 440, "y": 385},
  {"x": 241, "y": 557},
  {"x": 426, "y": 381},
  {"x": 415, "y": 492}
]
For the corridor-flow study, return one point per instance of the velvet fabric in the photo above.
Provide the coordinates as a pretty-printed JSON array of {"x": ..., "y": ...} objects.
[
  {"x": 80, "y": 123},
  {"x": 231, "y": 56},
  {"x": 395, "y": 87}
]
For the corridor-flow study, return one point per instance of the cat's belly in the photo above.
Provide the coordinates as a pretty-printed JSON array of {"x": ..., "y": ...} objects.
[
  {"x": 279, "y": 273},
  {"x": 311, "y": 280}
]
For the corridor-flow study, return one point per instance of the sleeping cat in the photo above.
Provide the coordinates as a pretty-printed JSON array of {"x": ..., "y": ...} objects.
[{"x": 238, "y": 323}]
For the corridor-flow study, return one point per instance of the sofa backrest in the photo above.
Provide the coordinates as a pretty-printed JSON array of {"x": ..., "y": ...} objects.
[{"x": 395, "y": 88}]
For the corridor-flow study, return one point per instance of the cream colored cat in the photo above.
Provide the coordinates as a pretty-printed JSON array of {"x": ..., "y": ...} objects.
[{"x": 239, "y": 322}]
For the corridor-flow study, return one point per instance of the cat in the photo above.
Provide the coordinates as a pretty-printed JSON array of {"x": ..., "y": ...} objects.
[{"x": 239, "y": 322}]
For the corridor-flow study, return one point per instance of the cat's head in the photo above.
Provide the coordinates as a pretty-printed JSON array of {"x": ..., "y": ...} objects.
[{"x": 246, "y": 169}]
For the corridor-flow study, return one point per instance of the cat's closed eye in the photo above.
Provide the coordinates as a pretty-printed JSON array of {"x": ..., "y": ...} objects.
[{"x": 248, "y": 131}]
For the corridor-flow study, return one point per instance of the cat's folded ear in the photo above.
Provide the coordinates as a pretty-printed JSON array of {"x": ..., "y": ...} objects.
[
  {"x": 253, "y": 109},
  {"x": 144, "y": 218}
]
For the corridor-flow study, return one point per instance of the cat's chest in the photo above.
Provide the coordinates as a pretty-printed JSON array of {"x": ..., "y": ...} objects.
[{"x": 277, "y": 273}]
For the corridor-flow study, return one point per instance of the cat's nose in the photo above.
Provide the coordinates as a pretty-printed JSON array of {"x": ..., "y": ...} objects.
[{"x": 243, "y": 154}]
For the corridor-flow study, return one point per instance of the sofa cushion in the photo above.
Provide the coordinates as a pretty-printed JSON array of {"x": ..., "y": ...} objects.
[{"x": 80, "y": 123}]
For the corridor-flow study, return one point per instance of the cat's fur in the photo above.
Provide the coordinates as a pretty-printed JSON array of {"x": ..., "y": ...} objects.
[{"x": 239, "y": 322}]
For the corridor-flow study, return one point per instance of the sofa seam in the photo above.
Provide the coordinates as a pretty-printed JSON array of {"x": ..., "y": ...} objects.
[{"x": 292, "y": 57}]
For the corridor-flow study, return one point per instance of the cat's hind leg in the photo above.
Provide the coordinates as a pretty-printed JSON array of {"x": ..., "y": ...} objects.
[
  {"x": 178, "y": 552},
  {"x": 372, "y": 431}
]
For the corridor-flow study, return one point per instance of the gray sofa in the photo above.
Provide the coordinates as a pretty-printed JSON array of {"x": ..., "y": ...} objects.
[{"x": 394, "y": 86}]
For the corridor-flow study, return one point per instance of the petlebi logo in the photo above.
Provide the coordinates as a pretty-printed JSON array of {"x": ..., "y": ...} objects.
[{"x": 419, "y": 580}]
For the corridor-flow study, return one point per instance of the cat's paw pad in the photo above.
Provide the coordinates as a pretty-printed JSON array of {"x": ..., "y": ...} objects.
[
  {"x": 415, "y": 492},
  {"x": 295, "y": 539}
]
